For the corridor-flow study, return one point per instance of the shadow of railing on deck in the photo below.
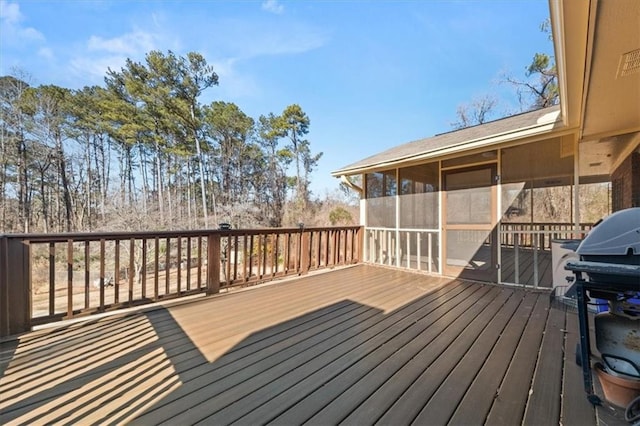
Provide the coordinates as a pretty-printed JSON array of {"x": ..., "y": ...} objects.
[{"x": 153, "y": 367}]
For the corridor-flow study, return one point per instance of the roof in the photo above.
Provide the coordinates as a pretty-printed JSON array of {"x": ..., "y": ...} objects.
[{"x": 505, "y": 129}]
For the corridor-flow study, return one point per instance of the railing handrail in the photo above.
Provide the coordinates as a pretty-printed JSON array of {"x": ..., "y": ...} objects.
[
  {"x": 121, "y": 235},
  {"x": 382, "y": 228},
  {"x": 547, "y": 223}
]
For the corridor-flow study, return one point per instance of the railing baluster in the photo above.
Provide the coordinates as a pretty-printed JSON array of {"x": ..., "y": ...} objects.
[
  {"x": 87, "y": 277},
  {"x": 265, "y": 250},
  {"x": 132, "y": 267},
  {"x": 516, "y": 258},
  {"x": 69, "y": 278},
  {"x": 116, "y": 272},
  {"x": 287, "y": 253},
  {"x": 143, "y": 270},
  {"x": 246, "y": 259},
  {"x": 408, "y": 253},
  {"x": 344, "y": 252},
  {"x": 179, "y": 266},
  {"x": 156, "y": 270},
  {"x": 535, "y": 259},
  {"x": 102, "y": 271},
  {"x": 228, "y": 260},
  {"x": 251, "y": 255},
  {"x": 298, "y": 252},
  {"x": 275, "y": 248},
  {"x": 188, "y": 263},
  {"x": 419, "y": 251},
  {"x": 326, "y": 249},
  {"x": 167, "y": 268},
  {"x": 52, "y": 278},
  {"x": 337, "y": 244},
  {"x": 199, "y": 261},
  {"x": 259, "y": 257},
  {"x": 235, "y": 257}
]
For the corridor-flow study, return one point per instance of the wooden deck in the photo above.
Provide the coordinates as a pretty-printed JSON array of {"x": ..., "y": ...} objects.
[{"x": 357, "y": 345}]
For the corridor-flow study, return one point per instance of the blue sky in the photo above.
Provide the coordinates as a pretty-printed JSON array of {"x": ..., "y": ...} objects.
[{"x": 369, "y": 74}]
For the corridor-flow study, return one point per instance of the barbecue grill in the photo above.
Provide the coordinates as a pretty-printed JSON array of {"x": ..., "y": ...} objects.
[{"x": 609, "y": 269}]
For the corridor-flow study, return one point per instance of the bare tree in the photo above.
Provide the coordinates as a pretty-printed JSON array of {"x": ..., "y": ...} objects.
[
  {"x": 540, "y": 88},
  {"x": 478, "y": 111}
]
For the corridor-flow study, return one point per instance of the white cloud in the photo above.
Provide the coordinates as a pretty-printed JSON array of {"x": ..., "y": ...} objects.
[
  {"x": 128, "y": 44},
  {"x": 11, "y": 30},
  {"x": 233, "y": 84},
  {"x": 240, "y": 42},
  {"x": 249, "y": 40},
  {"x": 273, "y": 6},
  {"x": 95, "y": 69},
  {"x": 104, "y": 53},
  {"x": 10, "y": 12},
  {"x": 280, "y": 44},
  {"x": 46, "y": 53}
]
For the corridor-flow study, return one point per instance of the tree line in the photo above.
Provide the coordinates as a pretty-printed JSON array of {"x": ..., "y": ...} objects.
[{"x": 143, "y": 152}]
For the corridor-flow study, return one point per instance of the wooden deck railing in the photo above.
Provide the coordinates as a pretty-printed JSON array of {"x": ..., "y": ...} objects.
[
  {"x": 540, "y": 235},
  {"x": 45, "y": 278},
  {"x": 415, "y": 249}
]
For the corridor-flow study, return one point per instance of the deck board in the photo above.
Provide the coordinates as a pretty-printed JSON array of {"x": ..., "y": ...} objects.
[
  {"x": 478, "y": 398},
  {"x": 324, "y": 393},
  {"x": 444, "y": 402},
  {"x": 510, "y": 402},
  {"x": 543, "y": 406},
  {"x": 357, "y": 345},
  {"x": 335, "y": 399},
  {"x": 576, "y": 409}
]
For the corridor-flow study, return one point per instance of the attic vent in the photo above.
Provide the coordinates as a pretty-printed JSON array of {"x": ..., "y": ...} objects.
[{"x": 629, "y": 63}]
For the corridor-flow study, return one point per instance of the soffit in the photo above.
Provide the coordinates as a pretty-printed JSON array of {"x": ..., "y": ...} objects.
[
  {"x": 570, "y": 24},
  {"x": 612, "y": 101}
]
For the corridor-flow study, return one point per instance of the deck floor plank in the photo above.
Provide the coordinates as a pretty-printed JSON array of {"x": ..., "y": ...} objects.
[
  {"x": 576, "y": 409},
  {"x": 329, "y": 400},
  {"x": 348, "y": 345},
  {"x": 428, "y": 373},
  {"x": 480, "y": 395},
  {"x": 510, "y": 403},
  {"x": 356, "y": 345},
  {"x": 293, "y": 395},
  {"x": 543, "y": 406},
  {"x": 444, "y": 402}
]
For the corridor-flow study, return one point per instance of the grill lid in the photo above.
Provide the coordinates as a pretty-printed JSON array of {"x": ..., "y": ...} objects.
[{"x": 617, "y": 235}]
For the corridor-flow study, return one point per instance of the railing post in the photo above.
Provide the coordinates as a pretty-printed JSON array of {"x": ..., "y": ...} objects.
[
  {"x": 213, "y": 263},
  {"x": 360, "y": 245},
  {"x": 15, "y": 286},
  {"x": 305, "y": 258}
]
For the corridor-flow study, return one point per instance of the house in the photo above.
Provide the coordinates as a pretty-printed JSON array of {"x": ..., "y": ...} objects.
[{"x": 487, "y": 202}]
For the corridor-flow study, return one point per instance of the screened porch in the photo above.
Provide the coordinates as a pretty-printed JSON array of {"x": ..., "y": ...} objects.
[{"x": 492, "y": 215}]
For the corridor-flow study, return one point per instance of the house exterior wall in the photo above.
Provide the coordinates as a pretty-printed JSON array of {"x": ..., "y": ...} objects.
[{"x": 626, "y": 183}]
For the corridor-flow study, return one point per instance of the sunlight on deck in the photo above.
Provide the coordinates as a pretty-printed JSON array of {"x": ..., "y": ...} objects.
[
  {"x": 96, "y": 372},
  {"x": 272, "y": 312}
]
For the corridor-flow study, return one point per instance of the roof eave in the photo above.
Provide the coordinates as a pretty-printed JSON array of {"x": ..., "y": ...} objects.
[{"x": 554, "y": 127}]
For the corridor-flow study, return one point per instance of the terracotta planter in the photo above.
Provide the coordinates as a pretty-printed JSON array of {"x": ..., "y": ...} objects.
[{"x": 617, "y": 390}]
